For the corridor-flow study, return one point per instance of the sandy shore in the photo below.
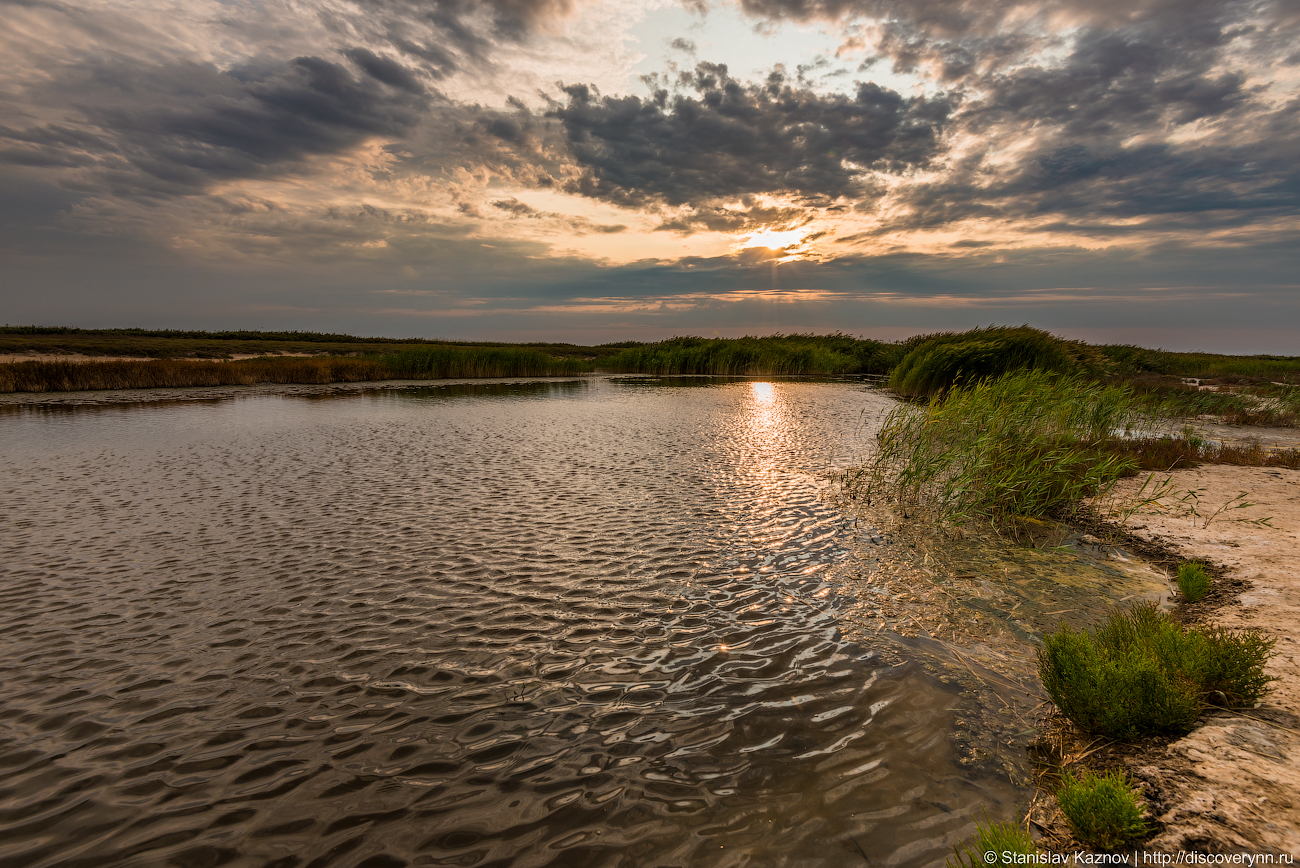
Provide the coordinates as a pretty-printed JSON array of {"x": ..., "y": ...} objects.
[{"x": 1233, "y": 784}]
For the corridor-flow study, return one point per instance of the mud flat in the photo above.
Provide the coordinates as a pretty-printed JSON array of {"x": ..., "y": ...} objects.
[{"x": 1233, "y": 784}]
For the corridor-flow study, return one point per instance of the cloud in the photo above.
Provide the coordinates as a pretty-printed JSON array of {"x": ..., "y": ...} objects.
[
  {"x": 178, "y": 127},
  {"x": 578, "y": 225},
  {"x": 733, "y": 139}
]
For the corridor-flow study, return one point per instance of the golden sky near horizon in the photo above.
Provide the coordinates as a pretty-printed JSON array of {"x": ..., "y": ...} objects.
[{"x": 629, "y": 165}]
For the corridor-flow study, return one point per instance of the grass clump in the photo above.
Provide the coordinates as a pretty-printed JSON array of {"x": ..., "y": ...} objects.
[
  {"x": 991, "y": 837},
  {"x": 1022, "y": 445},
  {"x": 1102, "y": 810},
  {"x": 1142, "y": 673},
  {"x": 1193, "y": 580}
]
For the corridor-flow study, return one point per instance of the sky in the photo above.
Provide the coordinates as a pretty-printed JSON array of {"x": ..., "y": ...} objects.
[{"x": 604, "y": 170}]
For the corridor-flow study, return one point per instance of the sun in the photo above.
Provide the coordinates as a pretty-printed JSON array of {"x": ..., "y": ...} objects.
[{"x": 774, "y": 240}]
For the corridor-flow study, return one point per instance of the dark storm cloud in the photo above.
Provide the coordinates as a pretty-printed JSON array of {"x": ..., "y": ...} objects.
[
  {"x": 734, "y": 139},
  {"x": 445, "y": 36},
  {"x": 179, "y": 127}
]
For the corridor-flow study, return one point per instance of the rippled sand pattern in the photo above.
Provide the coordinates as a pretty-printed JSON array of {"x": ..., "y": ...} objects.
[{"x": 548, "y": 624}]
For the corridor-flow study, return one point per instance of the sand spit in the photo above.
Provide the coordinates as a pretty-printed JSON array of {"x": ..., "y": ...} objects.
[{"x": 1233, "y": 784}]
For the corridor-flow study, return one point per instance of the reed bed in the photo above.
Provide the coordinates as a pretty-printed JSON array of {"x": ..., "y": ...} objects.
[
  {"x": 421, "y": 363},
  {"x": 447, "y": 362},
  {"x": 1130, "y": 360},
  {"x": 777, "y": 355},
  {"x": 1023, "y": 445},
  {"x": 940, "y": 362}
]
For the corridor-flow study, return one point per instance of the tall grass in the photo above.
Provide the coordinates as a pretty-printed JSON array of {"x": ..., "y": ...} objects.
[
  {"x": 1129, "y": 360},
  {"x": 1023, "y": 445},
  {"x": 447, "y": 362},
  {"x": 1142, "y": 673},
  {"x": 81, "y": 376},
  {"x": 777, "y": 355},
  {"x": 420, "y": 363},
  {"x": 939, "y": 362}
]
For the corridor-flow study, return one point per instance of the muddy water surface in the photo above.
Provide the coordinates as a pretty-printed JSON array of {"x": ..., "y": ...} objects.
[{"x": 559, "y": 623}]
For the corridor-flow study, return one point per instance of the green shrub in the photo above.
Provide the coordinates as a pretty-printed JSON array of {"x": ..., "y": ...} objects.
[
  {"x": 1142, "y": 673},
  {"x": 991, "y": 838},
  {"x": 1102, "y": 810},
  {"x": 1193, "y": 580}
]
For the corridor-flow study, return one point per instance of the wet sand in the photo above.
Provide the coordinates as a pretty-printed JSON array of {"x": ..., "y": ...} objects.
[{"x": 1233, "y": 784}]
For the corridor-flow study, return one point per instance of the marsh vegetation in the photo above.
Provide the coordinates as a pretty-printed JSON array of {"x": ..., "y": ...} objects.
[
  {"x": 776, "y": 355},
  {"x": 1023, "y": 445},
  {"x": 422, "y": 363}
]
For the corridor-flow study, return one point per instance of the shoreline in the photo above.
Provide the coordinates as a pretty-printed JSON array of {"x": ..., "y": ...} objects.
[{"x": 1233, "y": 783}]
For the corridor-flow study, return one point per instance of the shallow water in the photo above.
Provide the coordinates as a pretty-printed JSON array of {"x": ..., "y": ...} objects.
[{"x": 551, "y": 623}]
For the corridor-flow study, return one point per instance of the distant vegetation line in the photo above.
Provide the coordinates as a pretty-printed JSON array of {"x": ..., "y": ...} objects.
[
  {"x": 925, "y": 366},
  {"x": 428, "y": 364},
  {"x": 778, "y": 355}
]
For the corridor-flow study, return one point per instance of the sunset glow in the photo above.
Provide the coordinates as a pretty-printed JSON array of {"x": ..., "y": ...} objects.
[{"x": 227, "y": 163}]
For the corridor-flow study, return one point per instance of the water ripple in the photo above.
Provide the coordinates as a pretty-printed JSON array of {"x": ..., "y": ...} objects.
[{"x": 521, "y": 624}]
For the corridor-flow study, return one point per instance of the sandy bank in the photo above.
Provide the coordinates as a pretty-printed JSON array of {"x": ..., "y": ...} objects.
[{"x": 1233, "y": 784}]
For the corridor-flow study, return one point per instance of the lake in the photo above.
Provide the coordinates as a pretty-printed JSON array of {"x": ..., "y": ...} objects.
[{"x": 548, "y": 623}]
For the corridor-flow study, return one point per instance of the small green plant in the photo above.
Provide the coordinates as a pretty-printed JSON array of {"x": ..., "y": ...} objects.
[
  {"x": 1193, "y": 580},
  {"x": 1142, "y": 673},
  {"x": 1192, "y": 503},
  {"x": 1102, "y": 810},
  {"x": 991, "y": 837}
]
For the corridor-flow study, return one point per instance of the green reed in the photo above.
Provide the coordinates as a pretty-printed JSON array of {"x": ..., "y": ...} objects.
[
  {"x": 1129, "y": 360},
  {"x": 435, "y": 362},
  {"x": 1018, "y": 446},
  {"x": 939, "y": 362},
  {"x": 776, "y": 355},
  {"x": 453, "y": 362}
]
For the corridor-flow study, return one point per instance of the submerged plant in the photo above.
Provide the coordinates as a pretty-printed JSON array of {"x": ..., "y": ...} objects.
[
  {"x": 1103, "y": 810},
  {"x": 1142, "y": 673},
  {"x": 1193, "y": 580},
  {"x": 991, "y": 837}
]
